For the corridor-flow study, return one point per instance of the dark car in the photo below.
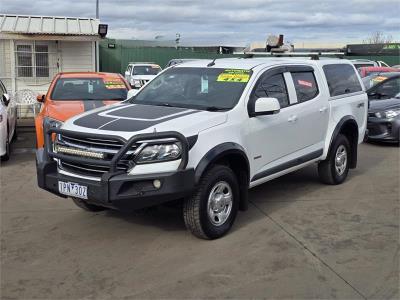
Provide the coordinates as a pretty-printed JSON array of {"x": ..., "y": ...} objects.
[{"x": 384, "y": 110}]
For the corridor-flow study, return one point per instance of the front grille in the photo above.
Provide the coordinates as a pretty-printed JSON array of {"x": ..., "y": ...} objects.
[
  {"x": 143, "y": 82},
  {"x": 108, "y": 147}
]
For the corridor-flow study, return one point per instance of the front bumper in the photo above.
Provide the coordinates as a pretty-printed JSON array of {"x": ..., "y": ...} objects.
[
  {"x": 386, "y": 130},
  {"x": 121, "y": 191},
  {"x": 115, "y": 188}
]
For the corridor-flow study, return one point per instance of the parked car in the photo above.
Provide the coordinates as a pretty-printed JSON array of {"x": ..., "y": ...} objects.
[
  {"x": 8, "y": 122},
  {"x": 382, "y": 86},
  {"x": 359, "y": 63},
  {"x": 138, "y": 74},
  {"x": 384, "y": 120},
  {"x": 206, "y": 132},
  {"x": 367, "y": 71},
  {"x": 384, "y": 108},
  {"x": 177, "y": 61},
  {"x": 70, "y": 94}
]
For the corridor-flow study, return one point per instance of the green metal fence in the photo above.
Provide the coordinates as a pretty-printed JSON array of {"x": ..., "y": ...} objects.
[
  {"x": 116, "y": 59},
  {"x": 116, "y": 54}
]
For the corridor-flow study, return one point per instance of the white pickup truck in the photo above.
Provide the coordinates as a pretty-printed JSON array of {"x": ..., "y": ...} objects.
[{"x": 207, "y": 131}]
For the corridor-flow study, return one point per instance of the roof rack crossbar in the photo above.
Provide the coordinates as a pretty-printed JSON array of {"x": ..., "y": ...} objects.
[{"x": 313, "y": 55}]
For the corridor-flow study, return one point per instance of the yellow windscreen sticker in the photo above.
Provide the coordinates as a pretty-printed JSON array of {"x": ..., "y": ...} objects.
[
  {"x": 234, "y": 75},
  {"x": 379, "y": 79},
  {"x": 114, "y": 83}
]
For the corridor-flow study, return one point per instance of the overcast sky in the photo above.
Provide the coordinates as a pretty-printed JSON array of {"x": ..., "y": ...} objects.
[{"x": 229, "y": 22}]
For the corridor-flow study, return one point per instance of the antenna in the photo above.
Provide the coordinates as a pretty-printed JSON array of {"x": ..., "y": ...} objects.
[{"x": 212, "y": 63}]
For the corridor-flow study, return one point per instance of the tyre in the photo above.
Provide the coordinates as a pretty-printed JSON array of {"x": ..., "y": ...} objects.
[
  {"x": 334, "y": 169},
  {"x": 211, "y": 211},
  {"x": 86, "y": 206},
  {"x": 15, "y": 136},
  {"x": 6, "y": 156}
]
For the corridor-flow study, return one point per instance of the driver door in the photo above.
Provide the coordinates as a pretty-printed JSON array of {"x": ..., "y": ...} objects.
[{"x": 271, "y": 138}]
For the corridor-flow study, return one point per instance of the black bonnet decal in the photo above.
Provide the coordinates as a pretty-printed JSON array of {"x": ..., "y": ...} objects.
[{"x": 131, "y": 117}]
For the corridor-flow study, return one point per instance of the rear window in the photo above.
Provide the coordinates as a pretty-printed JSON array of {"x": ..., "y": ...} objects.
[
  {"x": 342, "y": 79},
  {"x": 112, "y": 88},
  {"x": 146, "y": 70},
  {"x": 305, "y": 85}
]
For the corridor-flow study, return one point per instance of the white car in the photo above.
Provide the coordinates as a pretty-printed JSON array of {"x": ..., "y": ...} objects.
[
  {"x": 139, "y": 74},
  {"x": 359, "y": 63},
  {"x": 8, "y": 122},
  {"x": 206, "y": 132}
]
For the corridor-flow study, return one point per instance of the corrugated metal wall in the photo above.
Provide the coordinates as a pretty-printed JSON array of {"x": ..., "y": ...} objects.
[{"x": 116, "y": 59}]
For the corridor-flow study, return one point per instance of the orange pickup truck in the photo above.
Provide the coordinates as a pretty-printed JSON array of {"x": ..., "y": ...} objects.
[{"x": 70, "y": 94}]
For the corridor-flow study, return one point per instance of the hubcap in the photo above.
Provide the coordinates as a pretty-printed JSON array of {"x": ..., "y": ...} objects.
[
  {"x": 219, "y": 204},
  {"x": 341, "y": 160}
]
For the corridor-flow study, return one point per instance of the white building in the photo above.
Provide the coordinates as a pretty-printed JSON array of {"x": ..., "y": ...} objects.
[{"x": 35, "y": 48}]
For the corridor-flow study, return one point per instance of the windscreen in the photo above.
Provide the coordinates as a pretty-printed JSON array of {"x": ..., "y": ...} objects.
[
  {"x": 89, "y": 89},
  {"x": 198, "y": 88},
  {"x": 146, "y": 70}
]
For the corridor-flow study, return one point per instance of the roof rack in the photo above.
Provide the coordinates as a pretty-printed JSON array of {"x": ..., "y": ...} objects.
[
  {"x": 141, "y": 62},
  {"x": 313, "y": 55}
]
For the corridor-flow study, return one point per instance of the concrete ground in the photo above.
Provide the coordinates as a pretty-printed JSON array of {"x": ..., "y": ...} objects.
[{"x": 299, "y": 239}]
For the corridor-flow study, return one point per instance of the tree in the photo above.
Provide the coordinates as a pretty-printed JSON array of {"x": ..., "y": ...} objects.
[{"x": 378, "y": 38}]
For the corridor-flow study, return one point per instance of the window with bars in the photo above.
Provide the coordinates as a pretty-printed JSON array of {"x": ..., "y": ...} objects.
[{"x": 32, "y": 60}]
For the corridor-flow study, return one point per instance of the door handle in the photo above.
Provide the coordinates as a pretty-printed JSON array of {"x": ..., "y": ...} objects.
[
  {"x": 360, "y": 105},
  {"x": 323, "y": 109},
  {"x": 292, "y": 119}
]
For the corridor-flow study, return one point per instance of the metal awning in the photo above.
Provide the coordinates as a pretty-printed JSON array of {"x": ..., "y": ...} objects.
[{"x": 45, "y": 25}]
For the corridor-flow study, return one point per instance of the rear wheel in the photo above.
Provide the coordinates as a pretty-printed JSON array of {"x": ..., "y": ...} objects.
[
  {"x": 211, "y": 211},
  {"x": 86, "y": 206},
  {"x": 335, "y": 168}
]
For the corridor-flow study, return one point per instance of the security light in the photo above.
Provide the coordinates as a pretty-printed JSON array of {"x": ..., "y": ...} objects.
[{"x": 103, "y": 28}]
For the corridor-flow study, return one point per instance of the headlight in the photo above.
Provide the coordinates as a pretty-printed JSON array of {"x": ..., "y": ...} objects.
[
  {"x": 391, "y": 113},
  {"x": 135, "y": 82},
  {"x": 159, "y": 153}
]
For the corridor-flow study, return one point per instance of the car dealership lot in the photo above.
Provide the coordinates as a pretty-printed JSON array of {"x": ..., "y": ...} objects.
[{"x": 299, "y": 239}]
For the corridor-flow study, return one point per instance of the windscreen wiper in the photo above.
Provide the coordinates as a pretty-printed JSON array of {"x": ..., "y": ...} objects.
[{"x": 215, "y": 108}]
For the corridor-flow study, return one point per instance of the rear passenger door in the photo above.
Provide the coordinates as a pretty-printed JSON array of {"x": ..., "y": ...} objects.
[{"x": 311, "y": 109}]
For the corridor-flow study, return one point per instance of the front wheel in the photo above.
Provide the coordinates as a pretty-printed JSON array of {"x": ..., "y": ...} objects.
[
  {"x": 211, "y": 211},
  {"x": 6, "y": 156},
  {"x": 335, "y": 168}
]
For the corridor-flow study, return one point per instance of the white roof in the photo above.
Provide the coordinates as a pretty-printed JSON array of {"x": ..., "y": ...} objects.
[
  {"x": 19, "y": 24},
  {"x": 250, "y": 63}
]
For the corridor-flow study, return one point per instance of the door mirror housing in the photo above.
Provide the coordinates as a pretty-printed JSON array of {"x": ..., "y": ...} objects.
[
  {"x": 131, "y": 93},
  {"x": 40, "y": 98},
  {"x": 266, "y": 106},
  {"x": 6, "y": 99}
]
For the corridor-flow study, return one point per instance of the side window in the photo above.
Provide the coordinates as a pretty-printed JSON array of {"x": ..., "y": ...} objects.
[
  {"x": 342, "y": 79},
  {"x": 129, "y": 69},
  {"x": 389, "y": 88},
  {"x": 305, "y": 85},
  {"x": 273, "y": 86}
]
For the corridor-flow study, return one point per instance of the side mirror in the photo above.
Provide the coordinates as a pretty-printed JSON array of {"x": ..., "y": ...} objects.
[
  {"x": 131, "y": 93},
  {"x": 40, "y": 98},
  {"x": 265, "y": 106},
  {"x": 6, "y": 99}
]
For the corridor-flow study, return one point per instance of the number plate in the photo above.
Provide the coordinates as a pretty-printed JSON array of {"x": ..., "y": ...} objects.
[{"x": 72, "y": 189}]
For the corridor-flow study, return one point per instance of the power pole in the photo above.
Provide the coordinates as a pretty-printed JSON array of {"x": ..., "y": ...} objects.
[{"x": 97, "y": 9}]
